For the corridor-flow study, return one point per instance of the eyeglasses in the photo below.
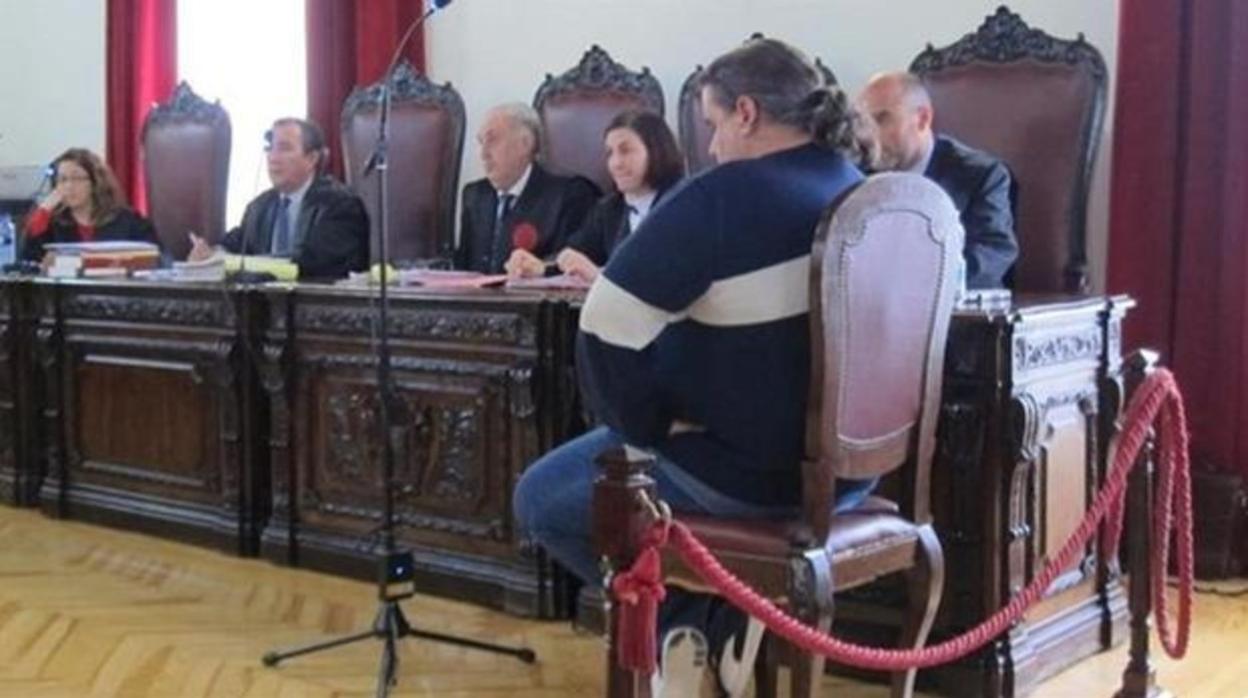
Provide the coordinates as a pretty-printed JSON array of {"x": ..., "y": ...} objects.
[{"x": 72, "y": 179}]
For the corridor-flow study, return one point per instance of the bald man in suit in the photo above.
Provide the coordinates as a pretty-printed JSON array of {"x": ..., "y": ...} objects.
[{"x": 979, "y": 184}]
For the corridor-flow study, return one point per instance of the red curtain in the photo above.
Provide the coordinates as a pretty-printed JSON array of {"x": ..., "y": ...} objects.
[
  {"x": 1179, "y": 225},
  {"x": 142, "y": 70},
  {"x": 349, "y": 44}
]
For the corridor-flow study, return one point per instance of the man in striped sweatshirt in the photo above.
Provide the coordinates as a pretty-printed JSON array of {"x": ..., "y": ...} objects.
[{"x": 695, "y": 344}]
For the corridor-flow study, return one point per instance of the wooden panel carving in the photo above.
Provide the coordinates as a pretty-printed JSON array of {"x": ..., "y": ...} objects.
[
  {"x": 443, "y": 471},
  {"x": 1004, "y": 38},
  {"x": 475, "y": 376},
  {"x": 1032, "y": 352},
  {"x": 598, "y": 72},
  {"x": 1020, "y": 455},
  {"x": 479, "y": 327},
  {"x": 164, "y": 311},
  {"x": 184, "y": 105}
]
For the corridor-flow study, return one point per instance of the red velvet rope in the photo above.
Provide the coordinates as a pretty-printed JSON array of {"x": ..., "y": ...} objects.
[{"x": 1157, "y": 401}]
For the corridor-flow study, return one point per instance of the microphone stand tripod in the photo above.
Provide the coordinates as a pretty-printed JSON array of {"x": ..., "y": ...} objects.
[{"x": 396, "y": 571}]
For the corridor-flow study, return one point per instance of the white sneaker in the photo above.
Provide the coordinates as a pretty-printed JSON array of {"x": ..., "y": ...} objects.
[
  {"x": 735, "y": 672},
  {"x": 684, "y": 662}
]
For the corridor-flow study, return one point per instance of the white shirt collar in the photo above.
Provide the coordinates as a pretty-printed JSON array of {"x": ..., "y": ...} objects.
[
  {"x": 641, "y": 203},
  {"x": 296, "y": 197},
  {"x": 518, "y": 188},
  {"x": 638, "y": 207},
  {"x": 920, "y": 167}
]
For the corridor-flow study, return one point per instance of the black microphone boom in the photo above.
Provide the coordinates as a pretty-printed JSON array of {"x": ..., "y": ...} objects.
[
  {"x": 377, "y": 160},
  {"x": 396, "y": 574}
]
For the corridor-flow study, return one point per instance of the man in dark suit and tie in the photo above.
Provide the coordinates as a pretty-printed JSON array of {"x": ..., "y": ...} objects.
[
  {"x": 978, "y": 183},
  {"x": 309, "y": 218},
  {"x": 518, "y": 204}
]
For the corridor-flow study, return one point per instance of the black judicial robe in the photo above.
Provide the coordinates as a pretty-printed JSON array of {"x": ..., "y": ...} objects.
[
  {"x": 553, "y": 205},
  {"x": 605, "y": 227},
  {"x": 981, "y": 188},
  {"x": 330, "y": 239}
]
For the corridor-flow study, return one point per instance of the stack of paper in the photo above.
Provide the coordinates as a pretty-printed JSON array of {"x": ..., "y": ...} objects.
[
  {"x": 211, "y": 269},
  {"x": 111, "y": 258}
]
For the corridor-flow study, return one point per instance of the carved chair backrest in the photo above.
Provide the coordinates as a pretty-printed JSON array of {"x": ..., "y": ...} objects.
[
  {"x": 576, "y": 107},
  {"x": 426, "y": 146},
  {"x": 884, "y": 266},
  {"x": 184, "y": 199},
  {"x": 1038, "y": 103}
]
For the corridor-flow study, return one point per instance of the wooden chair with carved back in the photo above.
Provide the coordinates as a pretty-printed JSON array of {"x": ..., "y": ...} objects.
[
  {"x": 878, "y": 345},
  {"x": 426, "y": 145},
  {"x": 1038, "y": 103},
  {"x": 576, "y": 107},
  {"x": 181, "y": 199}
]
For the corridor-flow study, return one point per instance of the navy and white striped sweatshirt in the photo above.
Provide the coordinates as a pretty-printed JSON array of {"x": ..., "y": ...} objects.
[{"x": 700, "y": 318}]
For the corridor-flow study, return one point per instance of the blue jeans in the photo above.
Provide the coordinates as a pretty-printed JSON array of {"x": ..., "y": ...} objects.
[{"x": 553, "y": 498}]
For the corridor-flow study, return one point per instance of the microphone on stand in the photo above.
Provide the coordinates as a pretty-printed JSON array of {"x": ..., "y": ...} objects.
[
  {"x": 49, "y": 174},
  {"x": 396, "y": 574},
  {"x": 378, "y": 159}
]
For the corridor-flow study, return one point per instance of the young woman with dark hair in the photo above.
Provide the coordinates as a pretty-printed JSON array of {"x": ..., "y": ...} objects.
[{"x": 644, "y": 162}]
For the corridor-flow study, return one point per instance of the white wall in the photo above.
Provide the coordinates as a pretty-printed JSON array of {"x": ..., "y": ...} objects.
[
  {"x": 51, "y": 78},
  {"x": 500, "y": 50},
  {"x": 260, "y": 76}
]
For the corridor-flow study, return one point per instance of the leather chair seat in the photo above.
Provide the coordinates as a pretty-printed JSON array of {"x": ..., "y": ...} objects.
[
  {"x": 863, "y": 534},
  {"x": 875, "y": 527}
]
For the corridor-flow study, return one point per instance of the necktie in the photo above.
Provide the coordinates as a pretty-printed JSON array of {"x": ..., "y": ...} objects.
[
  {"x": 626, "y": 226},
  {"x": 281, "y": 228},
  {"x": 500, "y": 246}
]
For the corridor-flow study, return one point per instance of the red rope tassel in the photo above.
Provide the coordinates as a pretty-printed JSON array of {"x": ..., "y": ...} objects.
[{"x": 639, "y": 590}]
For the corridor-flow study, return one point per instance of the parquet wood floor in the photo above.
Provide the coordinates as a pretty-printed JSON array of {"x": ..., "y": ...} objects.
[{"x": 91, "y": 612}]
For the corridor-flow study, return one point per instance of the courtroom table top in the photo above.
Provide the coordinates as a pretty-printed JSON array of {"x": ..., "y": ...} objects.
[{"x": 1016, "y": 306}]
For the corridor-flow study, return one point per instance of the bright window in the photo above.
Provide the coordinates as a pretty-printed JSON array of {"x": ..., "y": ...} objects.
[{"x": 250, "y": 55}]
